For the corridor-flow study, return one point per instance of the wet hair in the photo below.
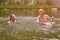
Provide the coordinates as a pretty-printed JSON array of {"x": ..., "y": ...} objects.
[{"x": 12, "y": 18}]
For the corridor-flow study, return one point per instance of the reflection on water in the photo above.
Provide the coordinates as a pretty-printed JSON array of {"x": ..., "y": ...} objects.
[
  {"x": 28, "y": 29},
  {"x": 28, "y": 12},
  {"x": 19, "y": 12}
]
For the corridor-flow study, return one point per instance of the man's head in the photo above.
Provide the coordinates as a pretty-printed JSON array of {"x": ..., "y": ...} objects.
[{"x": 41, "y": 11}]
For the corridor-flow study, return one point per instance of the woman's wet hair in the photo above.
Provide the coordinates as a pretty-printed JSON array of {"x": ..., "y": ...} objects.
[{"x": 12, "y": 17}]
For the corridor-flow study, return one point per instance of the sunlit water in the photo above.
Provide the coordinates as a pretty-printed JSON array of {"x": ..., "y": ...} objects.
[{"x": 29, "y": 29}]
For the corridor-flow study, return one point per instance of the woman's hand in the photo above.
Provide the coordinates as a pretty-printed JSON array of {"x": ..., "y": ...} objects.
[{"x": 53, "y": 18}]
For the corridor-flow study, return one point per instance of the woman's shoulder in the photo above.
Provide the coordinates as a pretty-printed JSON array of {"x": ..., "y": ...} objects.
[
  {"x": 45, "y": 15},
  {"x": 38, "y": 15}
]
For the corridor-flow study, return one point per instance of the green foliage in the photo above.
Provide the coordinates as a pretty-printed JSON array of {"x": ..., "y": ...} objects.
[
  {"x": 25, "y": 6},
  {"x": 49, "y": 2}
]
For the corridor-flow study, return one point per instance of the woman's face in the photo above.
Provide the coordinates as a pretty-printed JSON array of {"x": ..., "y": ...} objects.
[{"x": 41, "y": 13}]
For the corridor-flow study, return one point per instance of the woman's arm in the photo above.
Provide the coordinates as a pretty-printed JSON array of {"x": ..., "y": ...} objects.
[
  {"x": 16, "y": 19},
  {"x": 38, "y": 18},
  {"x": 49, "y": 18}
]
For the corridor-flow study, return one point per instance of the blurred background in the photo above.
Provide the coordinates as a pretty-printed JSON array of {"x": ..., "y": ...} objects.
[
  {"x": 29, "y": 7},
  {"x": 30, "y": 2}
]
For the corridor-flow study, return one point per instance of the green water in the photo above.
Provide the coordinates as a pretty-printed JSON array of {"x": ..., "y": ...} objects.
[
  {"x": 28, "y": 29},
  {"x": 22, "y": 12}
]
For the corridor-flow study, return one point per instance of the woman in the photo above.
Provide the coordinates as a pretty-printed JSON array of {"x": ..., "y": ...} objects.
[
  {"x": 13, "y": 19},
  {"x": 43, "y": 18}
]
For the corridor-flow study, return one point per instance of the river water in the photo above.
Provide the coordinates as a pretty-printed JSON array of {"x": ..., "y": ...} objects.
[{"x": 28, "y": 29}]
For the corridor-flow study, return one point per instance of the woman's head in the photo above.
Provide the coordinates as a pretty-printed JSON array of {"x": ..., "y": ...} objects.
[
  {"x": 12, "y": 17},
  {"x": 41, "y": 11}
]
